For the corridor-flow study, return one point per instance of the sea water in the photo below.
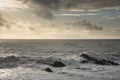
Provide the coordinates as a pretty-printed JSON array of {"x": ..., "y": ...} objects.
[{"x": 68, "y": 51}]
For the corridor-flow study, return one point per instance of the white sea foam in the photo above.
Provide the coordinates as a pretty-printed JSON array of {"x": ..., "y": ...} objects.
[{"x": 31, "y": 57}]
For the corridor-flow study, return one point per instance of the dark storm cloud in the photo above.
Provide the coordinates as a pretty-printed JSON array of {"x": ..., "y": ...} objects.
[
  {"x": 43, "y": 8},
  {"x": 44, "y": 13},
  {"x": 54, "y": 4},
  {"x": 84, "y": 24},
  {"x": 89, "y": 4},
  {"x": 68, "y": 4},
  {"x": 49, "y": 5}
]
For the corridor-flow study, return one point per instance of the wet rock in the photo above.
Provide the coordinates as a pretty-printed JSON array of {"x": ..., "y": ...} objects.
[
  {"x": 9, "y": 59},
  {"x": 58, "y": 64},
  {"x": 84, "y": 61},
  {"x": 12, "y": 58},
  {"x": 9, "y": 62},
  {"x": 48, "y": 70},
  {"x": 55, "y": 62},
  {"x": 96, "y": 60}
]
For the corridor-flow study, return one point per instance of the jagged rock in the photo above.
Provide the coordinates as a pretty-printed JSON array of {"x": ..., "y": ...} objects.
[
  {"x": 91, "y": 59},
  {"x": 48, "y": 70},
  {"x": 9, "y": 59},
  {"x": 9, "y": 62},
  {"x": 12, "y": 58},
  {"x": 55, "y": 62},
  {"x": 58, "y": 64}
]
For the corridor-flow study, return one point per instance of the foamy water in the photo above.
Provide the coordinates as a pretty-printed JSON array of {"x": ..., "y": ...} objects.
[{"x": 66, "y": 51}]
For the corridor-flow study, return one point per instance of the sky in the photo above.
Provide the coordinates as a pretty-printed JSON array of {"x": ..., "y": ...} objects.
[{"x": 59, "y": 19}]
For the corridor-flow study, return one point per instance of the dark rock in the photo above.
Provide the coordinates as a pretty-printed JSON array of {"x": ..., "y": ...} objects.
[
  {"x": 9, "y": 59},
  {"x": 55, "y": 62},
  {"x": 84, "y": 61},
  {"x": 58, "y": 64},
  {"x": 96, "y": 60},
  {"x": 87, "y": 57},
  {"x": 48, "y": 70},
  {"x": 9, "y": 62}
]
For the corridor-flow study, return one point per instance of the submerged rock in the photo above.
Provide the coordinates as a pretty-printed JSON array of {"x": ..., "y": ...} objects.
[
  {"x": 58, "y": 64},
  {"x": 96, "y": 60},
  {"x": 48, "y": 70}
]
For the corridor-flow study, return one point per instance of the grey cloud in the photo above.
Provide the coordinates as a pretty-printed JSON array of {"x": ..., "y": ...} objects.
[
  {"x": 90, "y": 4},
  {"x": 43, "y": 8},
  {"x": 3, "y": 22},
  {"x": 84, "y": 24},
  {"x": 68, "y": 4},
  {"x": 50, "y": 5},
  {"x": 44, "y": 13}
]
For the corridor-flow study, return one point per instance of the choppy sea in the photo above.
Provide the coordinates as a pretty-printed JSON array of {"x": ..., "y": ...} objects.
[{"x": 28, "y": 59}]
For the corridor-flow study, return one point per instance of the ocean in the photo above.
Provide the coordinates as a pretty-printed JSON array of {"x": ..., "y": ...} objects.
[{"x": 82, "y": 59}]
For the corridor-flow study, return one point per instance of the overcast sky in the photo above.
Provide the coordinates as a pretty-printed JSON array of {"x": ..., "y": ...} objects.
[{"x": 60, "y": 19}]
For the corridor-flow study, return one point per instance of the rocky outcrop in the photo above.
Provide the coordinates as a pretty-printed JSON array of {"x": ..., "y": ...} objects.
[
  {"x": 58, "y": 64},
  {"x": 9, "y": 62},
  {"x": 96, "y": 60},
  {"x": 48, "y": 70},
  {"x": 55, "y": 62},
  {"x": 13, "y": 61},
  {"x": 9, "y": 59}
]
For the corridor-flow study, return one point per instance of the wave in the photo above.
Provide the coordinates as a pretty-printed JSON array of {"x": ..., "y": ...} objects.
[{"x": 14, "y": 61}]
